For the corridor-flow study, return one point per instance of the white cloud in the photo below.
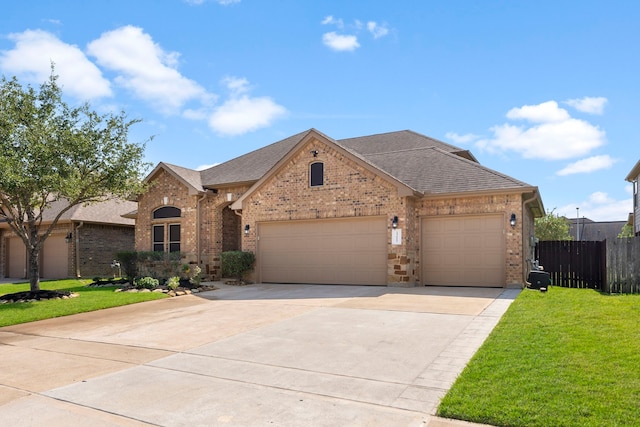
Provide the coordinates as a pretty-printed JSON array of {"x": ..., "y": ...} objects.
[
  {"x": 590, "y": 164},
  {"x": 541, "y": 113},
  {"x": 554, "y": 134},
  {"x": 146, "y": 69},
  {"x": 340, "y": 42},
  {"x": 243, "y": 114},
  {"x": 330, "y": 20},
  {"x": 377, "y": 30},
  {"x": 591, "y": 105},
  {"x": 32, "y": 56},
  {"x": 461, "y": 139},
  {"x": 237, "y": 85},
  {"x": 599, "y": 207}
]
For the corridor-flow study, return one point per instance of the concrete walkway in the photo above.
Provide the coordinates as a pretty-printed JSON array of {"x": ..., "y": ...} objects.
[{"x": 285, "y": 355}]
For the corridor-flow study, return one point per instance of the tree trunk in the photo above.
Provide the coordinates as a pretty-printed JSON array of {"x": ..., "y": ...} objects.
[{"x": 34, "y": 269}]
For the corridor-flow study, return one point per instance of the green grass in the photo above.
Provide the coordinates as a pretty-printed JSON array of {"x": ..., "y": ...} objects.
[
  {"x": 89, "y": 299},
  {"x": 568, "y": 357}
]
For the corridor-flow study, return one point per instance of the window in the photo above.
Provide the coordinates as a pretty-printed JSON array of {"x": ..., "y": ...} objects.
[
  {"x": 158, "y": 238},
  {"x": 316, "y": 174},
  {"x": 165, "y": 234},
  {"x": 167, "y": 212}
]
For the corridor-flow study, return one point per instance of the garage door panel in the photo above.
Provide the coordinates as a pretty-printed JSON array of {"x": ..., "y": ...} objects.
[
  {"x": 55, "y": 259},
  {"x": 17, "y": 258},
  {"x": 463, "y": 251},
  {"x": 337, "y": 251}
]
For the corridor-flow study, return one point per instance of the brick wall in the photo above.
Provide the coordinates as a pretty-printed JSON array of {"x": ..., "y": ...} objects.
[
  {"x": 98, "y": 246},
  {"x": 349, "y": 190}
]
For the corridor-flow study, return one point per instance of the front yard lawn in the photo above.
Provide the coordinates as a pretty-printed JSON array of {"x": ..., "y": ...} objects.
[
  {"x": 89, "y": 299},
  {"x": 568, "y": 357}
]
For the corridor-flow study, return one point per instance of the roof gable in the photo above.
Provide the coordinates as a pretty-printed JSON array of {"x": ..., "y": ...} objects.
[
  {"x": 189, "y": 177},
  {"x": 251, "y": 166},
  {"x": 314, "y": 134}
]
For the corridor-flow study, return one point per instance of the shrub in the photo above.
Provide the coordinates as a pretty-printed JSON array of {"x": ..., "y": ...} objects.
[
  {"x": 161, "y": 265},
  {"x": 173, "y": 283},
  {"x": 237, "y": 263},
  {"x": 128, "y": 261},
  {"x": 191, "y": 272},
  {"x": 146, "y": 283}
]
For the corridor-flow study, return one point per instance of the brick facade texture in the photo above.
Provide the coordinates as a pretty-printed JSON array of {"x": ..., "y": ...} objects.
[{"x": 350, "y": 190}]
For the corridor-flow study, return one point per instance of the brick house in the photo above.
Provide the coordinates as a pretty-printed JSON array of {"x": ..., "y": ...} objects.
[
  {"x": 83, "y": 244},
  {"x": 633, "y": 178},
  {"x": 394, "y": 209}
]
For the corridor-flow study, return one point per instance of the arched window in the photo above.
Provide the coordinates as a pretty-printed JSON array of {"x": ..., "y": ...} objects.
[
  {"x": 167, "y": 212},
  {"x": 316, "y": 174},
  {"x": 165, "y": 234}
]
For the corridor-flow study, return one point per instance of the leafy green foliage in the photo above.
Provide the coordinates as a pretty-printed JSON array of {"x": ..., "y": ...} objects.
[
  {"x": 146, "y": 283},
  {"x": 552, "y": 227},
  {"x": 51, "y": 153},
  {"x": 237, "y": 263},
  {"x": 173, "y": 283},
  {"x": 567, "y": 357},
  {"x": 128, "y": 261},
  {"x": 627, "y": 231}
]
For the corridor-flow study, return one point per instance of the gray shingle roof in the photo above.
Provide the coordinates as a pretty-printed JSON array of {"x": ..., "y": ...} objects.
[
  {"x": 107, "y": 212},
  {"x": 431, "y": 170},
  {"x": 251, "y": 166},
  {"x": 422, "y": 163},
  {"x": 394, "y": 141}
]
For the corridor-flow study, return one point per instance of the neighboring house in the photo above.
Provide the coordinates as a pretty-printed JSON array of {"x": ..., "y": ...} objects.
[
  {"x": 396, "y": 209},
  {"x": 633, "y": 178},
  {"x": 83, "y": 244},
  {"x": 587, "y": 229}
]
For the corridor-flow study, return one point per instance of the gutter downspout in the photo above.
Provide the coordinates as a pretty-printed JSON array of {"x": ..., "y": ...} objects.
[
  {"x": 77, "y": 243},
  {"x": 529, "y": 261}
]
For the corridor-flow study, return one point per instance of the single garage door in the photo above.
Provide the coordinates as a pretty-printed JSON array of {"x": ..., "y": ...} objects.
[
  {"x": 332, "y": 251},
  {"x": 55, "y": 258},
  {"x": 16, "y": 258},
  {"x": 463, "y": 251}
]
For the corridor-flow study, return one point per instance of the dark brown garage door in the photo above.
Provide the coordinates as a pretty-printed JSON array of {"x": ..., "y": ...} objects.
[
  {"x": 463, "y": 251},
  {"x": 332, "y": 251}
]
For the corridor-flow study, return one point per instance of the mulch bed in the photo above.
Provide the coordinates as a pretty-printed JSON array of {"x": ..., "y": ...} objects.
[{"x": 36, "y": 296}]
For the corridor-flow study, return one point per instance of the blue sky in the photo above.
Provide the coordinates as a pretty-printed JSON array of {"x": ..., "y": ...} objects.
[{"x": 544, "y": 91}]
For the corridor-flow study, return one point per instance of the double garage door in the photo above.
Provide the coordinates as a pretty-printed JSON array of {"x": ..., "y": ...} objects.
[
  {"x": 455, "y": 251},
  {"x": 329, "y": 251},
  {"x": 463, "y": 251},
  {"x": 54, "y": 259}
]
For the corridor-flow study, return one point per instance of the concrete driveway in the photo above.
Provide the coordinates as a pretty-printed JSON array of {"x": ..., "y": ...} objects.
[{"x": 286, "y": 355}]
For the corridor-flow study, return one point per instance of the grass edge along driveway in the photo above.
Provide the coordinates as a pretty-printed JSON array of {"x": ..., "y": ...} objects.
[
  {"x": 89, "y": 299},
  {"x": 568, "y": 357}
]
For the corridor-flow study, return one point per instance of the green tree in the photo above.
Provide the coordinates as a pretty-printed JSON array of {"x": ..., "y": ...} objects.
[
  {"x": 627, "y": 231},
  {"x": 52, "y": 152},
  {"x": 552, "y": 227}
]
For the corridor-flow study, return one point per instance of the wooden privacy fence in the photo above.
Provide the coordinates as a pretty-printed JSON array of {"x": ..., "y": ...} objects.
[
  {"x": 610, "y": 266},
  {"x": 623, "y": 266},
  {"x": 574, "y": 264}
]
